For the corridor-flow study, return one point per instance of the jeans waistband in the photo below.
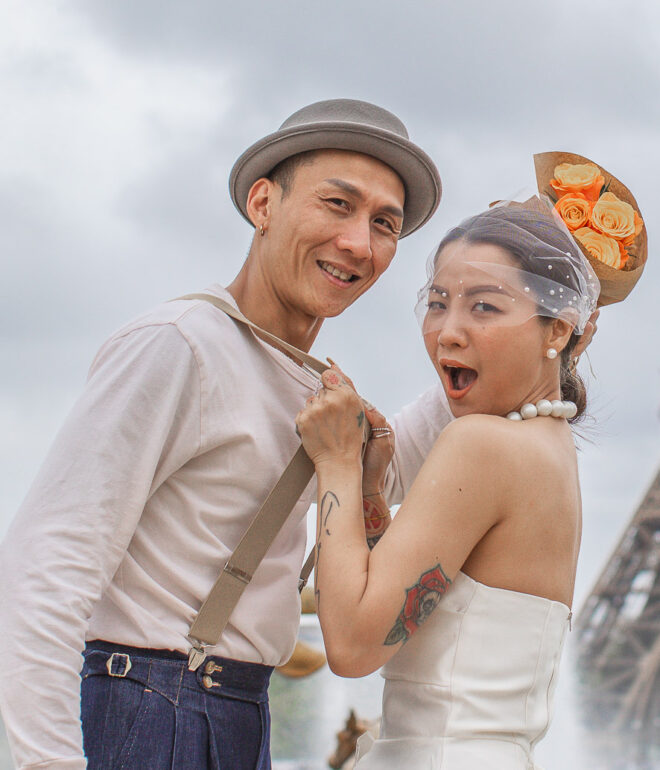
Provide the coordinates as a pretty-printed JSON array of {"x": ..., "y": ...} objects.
[{"x": 167, "y": 670}]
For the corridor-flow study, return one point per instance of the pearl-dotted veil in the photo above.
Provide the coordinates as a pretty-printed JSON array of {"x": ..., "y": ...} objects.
[{"x": 549, "y": 276}]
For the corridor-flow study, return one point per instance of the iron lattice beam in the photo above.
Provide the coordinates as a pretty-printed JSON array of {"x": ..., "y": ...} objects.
[{"x": 618, "y": 633}]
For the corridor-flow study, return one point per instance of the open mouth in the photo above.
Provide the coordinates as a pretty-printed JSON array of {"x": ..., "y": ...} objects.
[
  {"x": 459, "y": 379},
  {"x": 338, "y": 274}
]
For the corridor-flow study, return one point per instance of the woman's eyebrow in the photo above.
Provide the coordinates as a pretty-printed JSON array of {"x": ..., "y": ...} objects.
[
  {"x": 470, "y": 291},
  {"x": 486, "y": 289}
]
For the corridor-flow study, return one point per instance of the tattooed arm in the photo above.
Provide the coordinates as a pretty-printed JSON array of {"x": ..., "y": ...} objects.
[
  {"x": 375, "y": 464},
  {"x": 376, "y": 517},
  {"x": 371, "y": 601}
]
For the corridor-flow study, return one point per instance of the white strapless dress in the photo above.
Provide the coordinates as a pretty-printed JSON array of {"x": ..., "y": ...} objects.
[{"x": 472, "y": 689}]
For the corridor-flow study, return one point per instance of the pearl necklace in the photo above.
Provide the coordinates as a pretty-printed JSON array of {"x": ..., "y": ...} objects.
[{"x": 545, "y": 408}]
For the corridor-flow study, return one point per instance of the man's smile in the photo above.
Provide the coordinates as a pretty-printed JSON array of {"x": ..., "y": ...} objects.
[{"x": 342, "y": 277}]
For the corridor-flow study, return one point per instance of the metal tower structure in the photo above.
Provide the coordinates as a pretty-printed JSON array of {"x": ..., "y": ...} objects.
[{"x": 618, "y": 641}]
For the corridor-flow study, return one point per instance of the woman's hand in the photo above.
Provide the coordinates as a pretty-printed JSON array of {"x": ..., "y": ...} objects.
[
  {"x": 376, "y": 461},
  {"x": 331, "y": 425}
]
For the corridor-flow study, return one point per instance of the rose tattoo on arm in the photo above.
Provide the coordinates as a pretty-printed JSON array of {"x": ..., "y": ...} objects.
[{"x": 421, "y": 600}]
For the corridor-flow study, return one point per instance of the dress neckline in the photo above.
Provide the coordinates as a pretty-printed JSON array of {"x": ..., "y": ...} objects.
[{"x": 517, "y": 593}]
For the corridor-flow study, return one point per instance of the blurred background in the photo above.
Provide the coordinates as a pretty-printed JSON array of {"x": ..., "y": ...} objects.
[{"x": 121, "y": 121}]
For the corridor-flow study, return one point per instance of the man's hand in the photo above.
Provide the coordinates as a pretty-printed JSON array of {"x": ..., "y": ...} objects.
[{"x": 587, "y": 335}]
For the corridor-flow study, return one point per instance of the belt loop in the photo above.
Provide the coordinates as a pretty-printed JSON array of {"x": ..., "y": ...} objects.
[{"x": 119, "y": 664}]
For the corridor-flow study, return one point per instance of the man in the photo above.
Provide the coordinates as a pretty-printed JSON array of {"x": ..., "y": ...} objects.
[{"x": 185, "y": 424}]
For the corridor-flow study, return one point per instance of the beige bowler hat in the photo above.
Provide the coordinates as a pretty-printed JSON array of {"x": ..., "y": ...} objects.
[{"x": 345, "y": 124}]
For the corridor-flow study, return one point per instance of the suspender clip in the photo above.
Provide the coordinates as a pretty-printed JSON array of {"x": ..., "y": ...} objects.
[{"x": 196, "y": 654}]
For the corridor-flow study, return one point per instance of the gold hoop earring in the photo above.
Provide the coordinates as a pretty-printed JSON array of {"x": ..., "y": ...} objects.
[{"x": 261, "y": 230}]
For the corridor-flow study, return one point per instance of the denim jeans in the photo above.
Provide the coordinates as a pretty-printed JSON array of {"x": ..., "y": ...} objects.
[{"x": 144, "y": 710}]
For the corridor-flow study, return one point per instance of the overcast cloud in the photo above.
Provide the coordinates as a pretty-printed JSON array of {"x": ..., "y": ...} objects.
[{"x": 120, "y": 123}]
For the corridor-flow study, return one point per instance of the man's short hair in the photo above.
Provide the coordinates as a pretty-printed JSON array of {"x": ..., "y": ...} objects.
[{"x": 284, "y": 173}]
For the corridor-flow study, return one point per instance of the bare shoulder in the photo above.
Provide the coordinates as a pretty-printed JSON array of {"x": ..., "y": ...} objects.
[
  {"x": 477, "y": 448},
  {"x": 504, "y": 451},
  {"x": 480, "y": 434}
]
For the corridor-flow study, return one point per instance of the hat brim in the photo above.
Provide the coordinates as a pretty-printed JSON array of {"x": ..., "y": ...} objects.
[{"x": 417, "y": 171}]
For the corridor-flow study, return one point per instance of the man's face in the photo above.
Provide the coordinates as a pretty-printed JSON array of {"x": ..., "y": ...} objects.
[{"x": 334, "y": 233}]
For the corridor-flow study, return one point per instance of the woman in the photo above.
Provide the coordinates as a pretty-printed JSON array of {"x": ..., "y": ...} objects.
[{"x": 465, "y": 597}]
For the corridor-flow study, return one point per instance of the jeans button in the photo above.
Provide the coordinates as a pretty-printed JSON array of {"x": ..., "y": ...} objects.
[{"x": 208, "y": 682}]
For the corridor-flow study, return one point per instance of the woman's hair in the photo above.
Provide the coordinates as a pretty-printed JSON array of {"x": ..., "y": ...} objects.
[{"x": 541, "y": 247}]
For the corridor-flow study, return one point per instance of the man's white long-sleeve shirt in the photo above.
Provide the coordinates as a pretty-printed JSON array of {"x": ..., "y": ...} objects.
[{"x": 186, "y": 423}]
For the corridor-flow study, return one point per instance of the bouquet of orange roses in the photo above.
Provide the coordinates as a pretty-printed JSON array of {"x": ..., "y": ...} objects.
[{"x": 602, "y": 215}]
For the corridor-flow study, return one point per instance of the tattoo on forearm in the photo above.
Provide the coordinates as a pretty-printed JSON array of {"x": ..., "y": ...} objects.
[
  {"x": 421, "y": 600},
  {"x": 360, "y": 419},
  {"x": 376, "y": 521},
  {"x": 328, "y": 502}
]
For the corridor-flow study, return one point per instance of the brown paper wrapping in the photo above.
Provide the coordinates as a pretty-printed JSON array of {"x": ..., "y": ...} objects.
[{"x": 615, "y": 285}]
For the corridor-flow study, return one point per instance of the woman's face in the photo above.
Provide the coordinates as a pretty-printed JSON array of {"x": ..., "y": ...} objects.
[{"x": 482, "y": 332}]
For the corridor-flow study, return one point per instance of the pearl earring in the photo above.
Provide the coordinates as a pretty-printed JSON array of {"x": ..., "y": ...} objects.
[{"x": 551, "y": 353}]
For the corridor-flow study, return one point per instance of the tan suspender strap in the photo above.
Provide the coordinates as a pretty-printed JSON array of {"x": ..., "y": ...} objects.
[
  {"x": 299, "y": 355},
  {"x": 242, "y": 564},
  {"x": 214, "y": 613},
  {"x": 307, "y": 568}
]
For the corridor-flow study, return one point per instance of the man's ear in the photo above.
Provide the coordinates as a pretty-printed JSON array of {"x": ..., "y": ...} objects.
[
  {"x": 559, "y": 334},
  {"x": 260, "y": 201}
]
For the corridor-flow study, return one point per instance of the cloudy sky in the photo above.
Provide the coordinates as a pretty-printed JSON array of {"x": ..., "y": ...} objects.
[{"x": 120, "y": 123}]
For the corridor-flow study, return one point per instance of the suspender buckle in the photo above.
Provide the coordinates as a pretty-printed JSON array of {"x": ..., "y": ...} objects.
[
  {"x": 237, "y": 573},
  {"x": 196, "y": 654}
]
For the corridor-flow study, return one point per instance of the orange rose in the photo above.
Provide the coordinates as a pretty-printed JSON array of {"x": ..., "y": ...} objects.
[
  {"x": 578, "y": 177},
  {"x": 616, "y": 218},
  {"x": 574, "y": 209},
  {"x": 602, "y": 247}
]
